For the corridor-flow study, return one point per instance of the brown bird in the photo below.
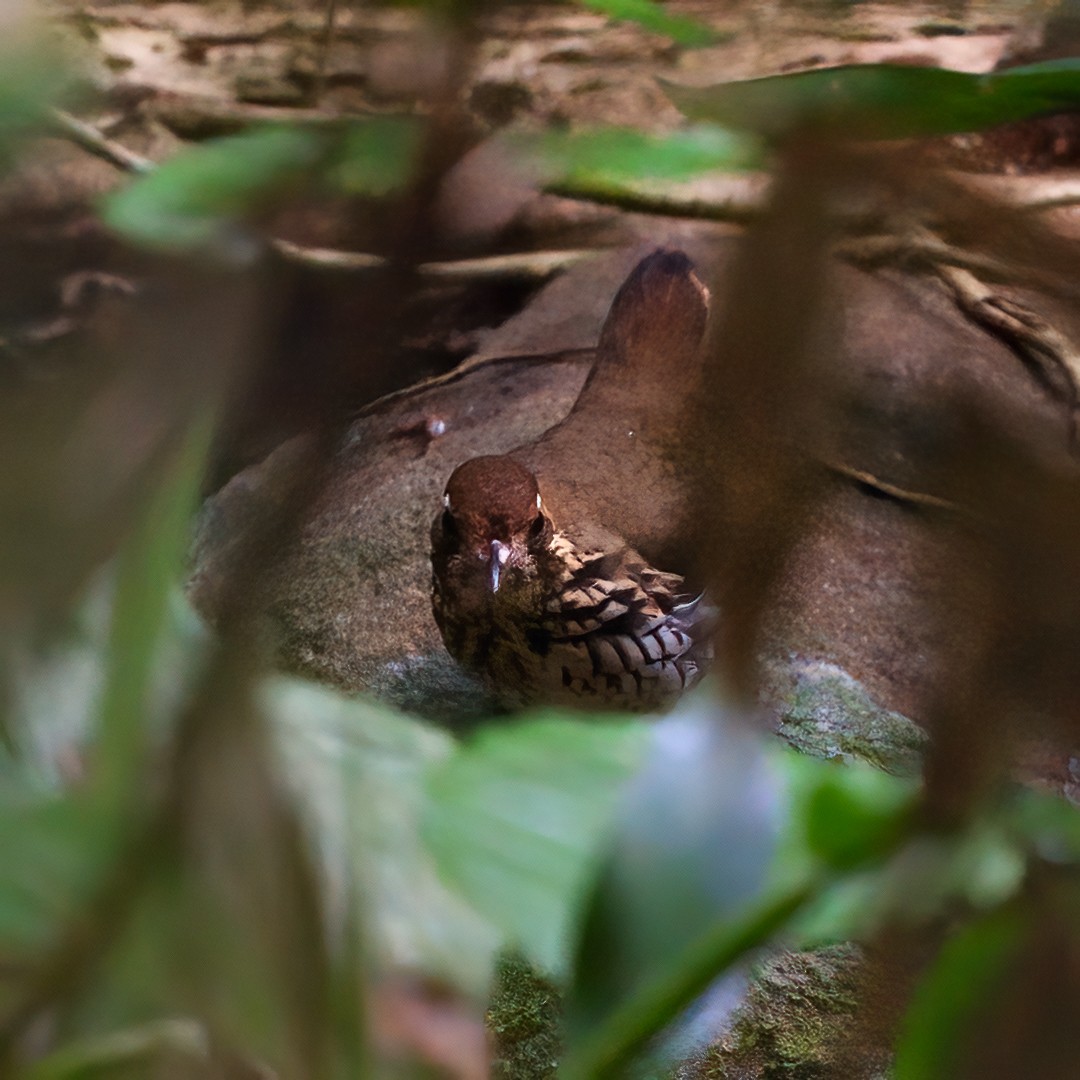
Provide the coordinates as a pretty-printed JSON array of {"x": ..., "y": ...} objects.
[{"x": 545, "y": 593}]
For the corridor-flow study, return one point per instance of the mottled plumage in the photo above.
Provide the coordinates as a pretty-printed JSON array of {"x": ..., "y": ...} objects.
[
  {"x": 565, "y": 599},
  {"x": 556, "y": 623}
]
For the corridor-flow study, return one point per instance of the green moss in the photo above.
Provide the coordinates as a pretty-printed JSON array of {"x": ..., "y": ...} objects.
[
  {"x": 796, "y": 1004},
  {"x": 827, "y": 714},
  {"x": 796, "y": 1023},
  {"x": 525, "y": 1021}
]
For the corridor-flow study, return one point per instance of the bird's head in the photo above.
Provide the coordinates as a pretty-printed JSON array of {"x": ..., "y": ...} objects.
[{"x": 494, "y": 520}]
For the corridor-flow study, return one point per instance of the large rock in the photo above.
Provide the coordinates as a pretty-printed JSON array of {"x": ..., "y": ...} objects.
[{"x": 351, "y": 606}]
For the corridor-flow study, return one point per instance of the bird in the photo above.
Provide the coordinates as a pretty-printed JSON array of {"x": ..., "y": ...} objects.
[
  {"x": 545, "y": 619},
  {"x": 544, "y": 576}
]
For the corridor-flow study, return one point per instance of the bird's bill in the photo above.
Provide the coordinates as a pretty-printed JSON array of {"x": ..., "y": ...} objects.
[{"x": 500, "y": 552}]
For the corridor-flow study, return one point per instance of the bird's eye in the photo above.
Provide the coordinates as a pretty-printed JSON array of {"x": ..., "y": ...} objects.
[
  {"x": 449, "y": 525},
  {"x": 537, "y": 526}
]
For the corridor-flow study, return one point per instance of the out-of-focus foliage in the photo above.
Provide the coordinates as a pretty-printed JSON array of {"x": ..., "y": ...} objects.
[
  {"x": 197, "y": 197},
  {"x": 653, "y": 17},
  {"x": 516, "y": 818},
  {"x": 361, "y": 773},
  {"x": 883, "y": 101},
  {"x": 945, "y": 1007},
  {"x": 376, "y": 156},
  {"x": 196, "y": 200},
  {"x": 699, "y": 830},
  {"x": 610, "y": 158},
  {"x": 203, "y": 864},
  {"x": 30, "y": 76}
]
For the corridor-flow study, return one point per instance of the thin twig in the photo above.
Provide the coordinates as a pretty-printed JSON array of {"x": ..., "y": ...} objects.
[
  {"x": 525, "y": 265},
  {"x": 904, "y": 495},
  {"x": 923, "y": 249},
  {"x": 89, "y": 138},
  {"x": 1052, "y": 355},
  {"x": 1054, "y": 358},
  {"x": 196, "y": 116},
  {"x": 528, "y": 265}
]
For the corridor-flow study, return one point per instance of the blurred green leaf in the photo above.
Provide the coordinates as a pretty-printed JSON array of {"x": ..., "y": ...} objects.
[
  {"x": 986, "y": 867},
  {"x": 604, "y": 1051},
  {"x": 142, "y": 1050},
  {"x": 651, "y": 16},
  {"x": 948, "y": 1001},
  {"x": 149, "y": 569},
  {"x": 54, "y": 691},
  {"x": 843, "y": 814},
  {"x": 194, "y": 199},
  {"x": 55, "y": 847},
  {"x": 977, "y": 869},
  {"x": 516, "y": 818},
  {"x": 846, "y": 909},
  {"x": 30, "y": 76},
  {"x": 882, "y": 101},
  {"x": 610, "y": 157},
  {"x": 359, "y": 771},
  {"x": 58, "y": 689},
  {"x": 376, "y": 156},
  {"x": 198, "y": 199},
  {"x": 51, "y": 851},
  {"x": 209, "y": 939},
  {"x": 1047, "y": 825},
  {"x": 695, "y": 835},
  {"x": 856, "y": 814}
]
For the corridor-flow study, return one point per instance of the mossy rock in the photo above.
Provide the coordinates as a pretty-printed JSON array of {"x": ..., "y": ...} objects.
[
  {"x": 796, "y": 1023},
  {"x": 525, "y": 1023}
]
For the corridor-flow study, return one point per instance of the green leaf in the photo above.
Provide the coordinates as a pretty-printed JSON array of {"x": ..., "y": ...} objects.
[
  {"x": 192, "y": 200},
  {"x": 948, "y": 1001},
  {"x": 605, "y": 1050},
  {"x": 844, "y": 814},
  {"x": 198, "y": 199},
  {"x": 980, "y": 868},
  {"x": 882, "y": 101},
  {"x": 855, "y": 815},
  {"x": 51, "y": 850},
  {"x": 1046, "y": 824},
  {"x": 54, "y": 847},
  {"x": 847, "y": 909},
  {"x": 30, "y": 76},
  {"x": 149, "y": 570},
  {"x": 54, "y": 692},
  {"x": 359, "y": 771},
  {"x": 148, "y": 1047},
  {"x": 601, "y": 158},
  {"x": 376, "y": 156},
  {"x": 516, "y": 819},
  {"x": 645, "y": 13},
  {"x": 693, "y": 843}
]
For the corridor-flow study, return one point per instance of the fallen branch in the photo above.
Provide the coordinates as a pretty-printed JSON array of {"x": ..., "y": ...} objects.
[
  {"x": 525, "y": 265},
  {"x": 197, "y": 117},
  {"x": 1050, "y": 353},
  {"x": 925, "y": 250},
  {"x": 90, "y": 139}
]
